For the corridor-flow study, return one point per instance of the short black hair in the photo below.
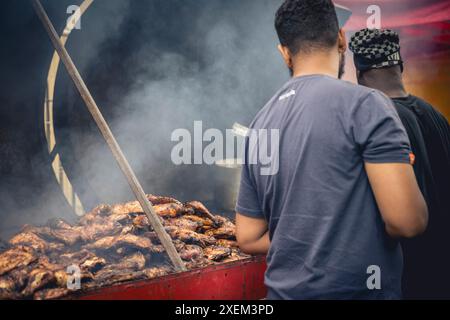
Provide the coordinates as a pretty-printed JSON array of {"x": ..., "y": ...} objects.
[{"x": 305, "y": 25}]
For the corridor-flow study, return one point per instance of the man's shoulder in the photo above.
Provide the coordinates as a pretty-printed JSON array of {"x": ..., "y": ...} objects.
[
  {"x": 424, "y": 106},
  {"x": 336, "y": 89}
]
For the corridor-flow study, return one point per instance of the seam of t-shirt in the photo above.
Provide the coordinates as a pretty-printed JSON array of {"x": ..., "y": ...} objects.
[
  {"x": 249, "y": 212},
  {"x": 391, "y": 159}
]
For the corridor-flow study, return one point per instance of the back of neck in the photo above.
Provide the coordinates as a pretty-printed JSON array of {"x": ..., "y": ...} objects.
[{"x": 317, "y": 63}]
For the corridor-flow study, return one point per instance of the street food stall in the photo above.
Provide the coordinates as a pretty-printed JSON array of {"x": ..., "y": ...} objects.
[{"x": 158, "y": 247}]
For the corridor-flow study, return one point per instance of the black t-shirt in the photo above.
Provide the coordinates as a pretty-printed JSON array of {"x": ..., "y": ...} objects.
[
  {"x": 427, "y": 262},
  {"x": 422, "y": 167}
]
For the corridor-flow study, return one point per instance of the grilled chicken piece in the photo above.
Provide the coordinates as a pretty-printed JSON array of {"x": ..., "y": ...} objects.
[
  {"x": 77, "y": 257},
  {"x": 29, "y": 239},
  {"x": 222, "y": 233},
  {"x": 99, "y": 211},
  {"x": 236, "y": 255},
  {"x": 57, "y": 223},
  {"x": 20, "y": 278},
  {"x": 128, "y": 229},
  {"x": 39, "y": 275},
  {"x": 38, "y": 278},
  {"x": 183, "y": 223},
  {"x": 227, "y": 229},
  {"x": 152, "y": 273},
  {"x": 19, "y": 256},
  {"x": 108, "y": 277},
  {"x": 216, "y": 253},
  {"x": 190, "y": 237},
  {"x": 7, "y": 288},
  {"x": 169, "y": 210},
  {"x": 206, "y": 223},
  {"x": 165, "y": 210},
  {"x": 200, "y": 262},
  {"x": 141, "y": 222},
  {"x": 102, "y": 210},
  {"x": 157, "y": 200},
  {"x": 61, "y": 277},
  {"x": 190, "y": 252},
  {"x": 68, "y": 236},
  {"x": 98, "y": 228},
  {"x": 51, "y": 294},
  {"x": 130, "y": 240},
  {"x": 126, "y": 208},
  {"x": 44, "y": 263},
  {"x": 227, "y": 243},
  {"x": 201, "y": 210},
  {"x": 123, "y": 219},
  {"x": 134, "y": 262},
  {"x": 93, "y": 264},
  {"x": 224, "y": 222}
]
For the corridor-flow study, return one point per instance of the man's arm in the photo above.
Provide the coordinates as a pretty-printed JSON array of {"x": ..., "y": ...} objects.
[
  {"x": 399, "y": 199},
  {"x": 252, "y": 234}
]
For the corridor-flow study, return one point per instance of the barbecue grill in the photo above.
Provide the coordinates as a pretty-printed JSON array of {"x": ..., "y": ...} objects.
[{"x": 240, "y": 280}]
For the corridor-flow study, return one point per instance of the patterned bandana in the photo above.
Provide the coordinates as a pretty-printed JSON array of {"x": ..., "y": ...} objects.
[{"x": 375, "y": 49}]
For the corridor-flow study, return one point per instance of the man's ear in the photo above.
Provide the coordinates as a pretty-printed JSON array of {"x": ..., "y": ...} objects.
[
  {"x": 342, "y": 41},
  {"x": 286, "y": 54}
]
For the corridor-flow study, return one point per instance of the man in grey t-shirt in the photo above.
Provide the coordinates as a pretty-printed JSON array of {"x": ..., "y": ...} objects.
[{"x": 342, "y": 189}]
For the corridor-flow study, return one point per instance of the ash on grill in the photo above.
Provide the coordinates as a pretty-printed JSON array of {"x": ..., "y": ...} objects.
[{"x": 110, "y": 245}]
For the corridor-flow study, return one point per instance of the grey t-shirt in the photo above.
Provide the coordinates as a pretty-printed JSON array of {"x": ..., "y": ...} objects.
[{"x": 324, "y": 223}]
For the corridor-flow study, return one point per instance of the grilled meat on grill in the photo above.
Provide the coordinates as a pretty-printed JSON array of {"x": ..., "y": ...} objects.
[
  {"x": 112, "y": 244},
  {"x": 156, "y": 200},
  {"x": 77, "y": 257},
  {"x": 133, "y": 262},
  {"x": 190, "y": 237},
  {"x": 62, "y": 277},
  {"x": 200, "y": 210},
  {"x": 224, "y": 232},
  {"x": 165, "y": 210},
  {"x": 68, "y": 237},
  {"x": 30, "y": 239},
  {"x": 19, "y": 256},
  {"x": 107, "y": 243},
  {"x": 190, "y": 252},
  {"x": 152, "y": 273},
  {"x": 205, "y": 223},
  {"x": 109, "y": 277},
  {"x": 101, "y": 210},
  {"x": 51, "y": 294},
  {"x": 57, "y": 223},
  {"x": 93, "y": 264},
  {"x": 98, "y": 228},
  {"x": 169, "y": 210},
  {"x": 227, "y": 243},
  {"x": 7, "y": 288},
  {"x": 183, "y": 223},
  {"x": 38, "y": 278},
  {"x": 216, "y": 253}
]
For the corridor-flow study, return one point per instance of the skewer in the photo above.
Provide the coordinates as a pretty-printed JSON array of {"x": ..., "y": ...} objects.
[{"x": 136, "y": 187}]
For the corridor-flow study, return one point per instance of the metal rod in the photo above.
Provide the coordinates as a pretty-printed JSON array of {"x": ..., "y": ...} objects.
[{"x": 136, "y": 187}]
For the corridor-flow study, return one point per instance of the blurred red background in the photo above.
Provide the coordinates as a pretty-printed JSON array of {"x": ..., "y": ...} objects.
[{"x": 424, "y": 27}]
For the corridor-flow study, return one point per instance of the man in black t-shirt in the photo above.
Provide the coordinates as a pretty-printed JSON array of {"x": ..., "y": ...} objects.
[{"x": 379, "y": 65}]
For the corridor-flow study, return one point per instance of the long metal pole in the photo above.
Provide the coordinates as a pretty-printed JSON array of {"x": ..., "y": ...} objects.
[{"x": 136, "y": 187}]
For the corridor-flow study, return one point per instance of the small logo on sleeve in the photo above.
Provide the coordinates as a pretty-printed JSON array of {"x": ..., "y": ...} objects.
[
  {"x": 287, "y": 95},
  {"x": 412, "y": 158}
]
